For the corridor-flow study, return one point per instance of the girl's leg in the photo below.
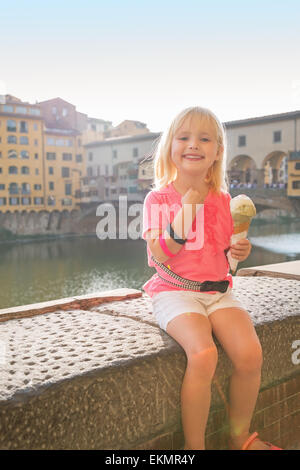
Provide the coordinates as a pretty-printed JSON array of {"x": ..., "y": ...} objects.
[
  {"x": 194, "y": 333},
  {"x": 235, "y": 332}
]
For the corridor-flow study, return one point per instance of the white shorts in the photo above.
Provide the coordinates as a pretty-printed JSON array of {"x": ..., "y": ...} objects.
[{"x": 169, "y": 304}]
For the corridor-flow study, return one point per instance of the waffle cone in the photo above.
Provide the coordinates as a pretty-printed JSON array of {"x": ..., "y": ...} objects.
[{"x": 241, "y": 227}]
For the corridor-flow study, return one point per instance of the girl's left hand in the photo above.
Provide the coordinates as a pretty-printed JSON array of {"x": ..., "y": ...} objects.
[{"x": 241, "y": 250}]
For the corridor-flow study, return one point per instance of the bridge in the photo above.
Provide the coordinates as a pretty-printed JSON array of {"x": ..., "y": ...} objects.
[
  {"x": 269, "y": 198},
  {"x": 263, "y": 198}
]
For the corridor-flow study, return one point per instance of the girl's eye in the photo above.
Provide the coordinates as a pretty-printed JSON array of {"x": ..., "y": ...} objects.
[{"x": 182, "y": 138}]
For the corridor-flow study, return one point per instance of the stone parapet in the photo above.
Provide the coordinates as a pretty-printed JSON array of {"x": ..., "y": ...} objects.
[{"x": 103, "y": 375}]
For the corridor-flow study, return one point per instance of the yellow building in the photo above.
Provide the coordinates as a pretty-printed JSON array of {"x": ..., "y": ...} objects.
[
  {"x": 21, "y": 156},
  {"x": 64, "y": 166},
  {"x": 293, "y": 189},
  {"x": 40, "y": 168}
]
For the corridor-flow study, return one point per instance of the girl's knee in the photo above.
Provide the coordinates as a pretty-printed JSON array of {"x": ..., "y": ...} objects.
[
  {"x": 203, "y": 360},
  {"x": 250, "y": 359}
]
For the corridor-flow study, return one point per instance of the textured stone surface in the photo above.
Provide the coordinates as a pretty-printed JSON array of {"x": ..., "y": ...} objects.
[
  {"x": 289, "y": 270},
  {"x": 109, "y": 378}
]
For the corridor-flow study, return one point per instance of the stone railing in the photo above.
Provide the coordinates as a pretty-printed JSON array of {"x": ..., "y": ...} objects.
[{"x": 96, "y": 372}]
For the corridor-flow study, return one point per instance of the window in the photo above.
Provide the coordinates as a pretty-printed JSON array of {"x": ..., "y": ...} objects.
[
  {"x": 54, "y": 110},
  {"x": 2, "y": 186},
  {"x": 37, "y": 171},
  {"x": 11, "y": 126},
  {"x": 36, "y": 142},
  {"x": 296, "y": 185},
  {"x": 34, "y": 111},
  {"x": 69, "y": 143},
  {"x": 25, "y": 170},
  {"x": 78, "y": 158},
  {"x": 24, "y": 140},
  {"x": 13, "y": 170},
  {"x": 242, "y": 141},
  {"x": 68, "y": 189},
  {"x": 51, "y": 201},
  {"x": 0, "y": 169},
  {"x": 38, "y": 187},
  {"x": 23, "y": 126},
  {"x": 115, "y": 154},
  {"x": 67, "y": 156},
  {"x": 51, "y": 185},
  {"x": 12, "y": 154},
  {"x": 90, "y": 156},
  {"x": 89, "y": 171},
  {"x": 50, "y": 141},
  {"x": 277, "y": 136},
  {"x": 60, "y": 142},
  {"x": 24, "y": 154},
  {"x": 21, "y": 110},
  {"x": 66, "y": 202},
  {"x": 13, "y": 188},
  {"x": 13, "y": 201},
  {"x": 51, "y": 156},
  {"x": 36, "y": 156},
  {"x": 64, "y": 112},
  {"x": 2, "y": 201},
  {"x": 65, "y": 172},
  {"x": 25, "y": 188},
  {"x": 8, "y": 109},
  {"x": 25, "y": 201},
  {"x": 51, "y": 170},
  {"x": 38, "y": 200},
  {"x": 135, "y": 152},
  {"x": 297, "y": 166},
  {"x": 11, "y": 139},
  {"x": 35, "y": 126}
]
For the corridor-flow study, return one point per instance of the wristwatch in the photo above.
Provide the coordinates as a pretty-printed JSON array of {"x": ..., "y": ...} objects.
[{"x": 174, "y": 236}]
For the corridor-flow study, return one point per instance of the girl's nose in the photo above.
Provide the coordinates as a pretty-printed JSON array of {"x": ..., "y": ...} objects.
[{"x": 193, "y": 146}]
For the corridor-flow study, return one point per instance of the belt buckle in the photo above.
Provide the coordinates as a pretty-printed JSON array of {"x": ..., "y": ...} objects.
[{"x": 220, "y": 286}]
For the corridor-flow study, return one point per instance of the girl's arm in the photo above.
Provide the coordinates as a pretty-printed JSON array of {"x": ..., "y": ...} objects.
[{"x": 181, "y": 226}]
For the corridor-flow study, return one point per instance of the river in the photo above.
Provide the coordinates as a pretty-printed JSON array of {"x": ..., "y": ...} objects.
[{"x": 44, "y": 270}]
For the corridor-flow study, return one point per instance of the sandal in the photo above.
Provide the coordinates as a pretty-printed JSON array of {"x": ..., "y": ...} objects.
[{"x": 251, "y": 439}]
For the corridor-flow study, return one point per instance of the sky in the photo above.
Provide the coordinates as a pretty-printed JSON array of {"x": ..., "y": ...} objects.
[{"x": 148, "y": 60}]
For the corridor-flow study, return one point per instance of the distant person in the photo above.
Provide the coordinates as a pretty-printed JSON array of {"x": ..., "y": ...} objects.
[{"x": 192, "y": 290}]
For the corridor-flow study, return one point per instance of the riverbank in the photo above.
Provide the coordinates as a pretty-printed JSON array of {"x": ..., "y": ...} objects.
[
  {"x": 12, "y": 238},
  {"x": 8, "y": 237}
]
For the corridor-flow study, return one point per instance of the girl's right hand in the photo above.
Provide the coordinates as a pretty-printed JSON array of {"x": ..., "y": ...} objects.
[{"x": 192, "y": 196}]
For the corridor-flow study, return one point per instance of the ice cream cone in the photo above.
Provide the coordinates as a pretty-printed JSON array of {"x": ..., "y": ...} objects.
[
  {"x": 242, "y": 211},
  {"x": 241, "y": 227}
]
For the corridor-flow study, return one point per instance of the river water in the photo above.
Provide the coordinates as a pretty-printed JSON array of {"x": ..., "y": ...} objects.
[{"x": 46, "y": 270}]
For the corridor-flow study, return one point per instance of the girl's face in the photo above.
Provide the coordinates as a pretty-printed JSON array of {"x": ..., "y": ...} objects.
[{"x": 194, "y": 147}]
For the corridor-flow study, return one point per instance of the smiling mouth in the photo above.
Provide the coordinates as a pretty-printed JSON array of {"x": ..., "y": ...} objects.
[{"x": 193, "y": 157}]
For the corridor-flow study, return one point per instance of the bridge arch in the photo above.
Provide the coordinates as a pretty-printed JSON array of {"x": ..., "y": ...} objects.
[
  {"x": 241, "y": 169},
  {"x": 275, "y": 166}
]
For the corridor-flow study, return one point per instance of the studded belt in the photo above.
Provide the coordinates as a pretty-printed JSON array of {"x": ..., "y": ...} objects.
[{"x": 206, "y": 286}]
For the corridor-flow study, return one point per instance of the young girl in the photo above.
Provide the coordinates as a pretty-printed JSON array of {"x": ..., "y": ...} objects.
[{"x": 187, "y": 226}]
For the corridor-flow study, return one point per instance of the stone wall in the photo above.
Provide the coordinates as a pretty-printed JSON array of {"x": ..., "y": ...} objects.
[{"x": 96, "y": 372}]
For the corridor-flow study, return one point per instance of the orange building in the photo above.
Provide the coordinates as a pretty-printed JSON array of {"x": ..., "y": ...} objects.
[{"x": 21, "y": 156}]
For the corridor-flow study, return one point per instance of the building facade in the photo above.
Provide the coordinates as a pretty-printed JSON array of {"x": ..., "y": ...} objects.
[
  {"x": 21, "y": 156},
  {"x": 115, "y": 161}
]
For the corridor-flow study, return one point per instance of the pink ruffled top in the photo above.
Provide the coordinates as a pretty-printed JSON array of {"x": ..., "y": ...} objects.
[{"x": 206, "y": 263}]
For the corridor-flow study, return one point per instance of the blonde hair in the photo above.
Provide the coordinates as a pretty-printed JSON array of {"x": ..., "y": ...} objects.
[{"x": 164, "y": 169}]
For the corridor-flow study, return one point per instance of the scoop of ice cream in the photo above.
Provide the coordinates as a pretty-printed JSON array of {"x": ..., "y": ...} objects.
[{"x": 242, "y": 209}]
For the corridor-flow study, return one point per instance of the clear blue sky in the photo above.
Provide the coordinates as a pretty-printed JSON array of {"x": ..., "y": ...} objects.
[{"x": 142, "y": 60}]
